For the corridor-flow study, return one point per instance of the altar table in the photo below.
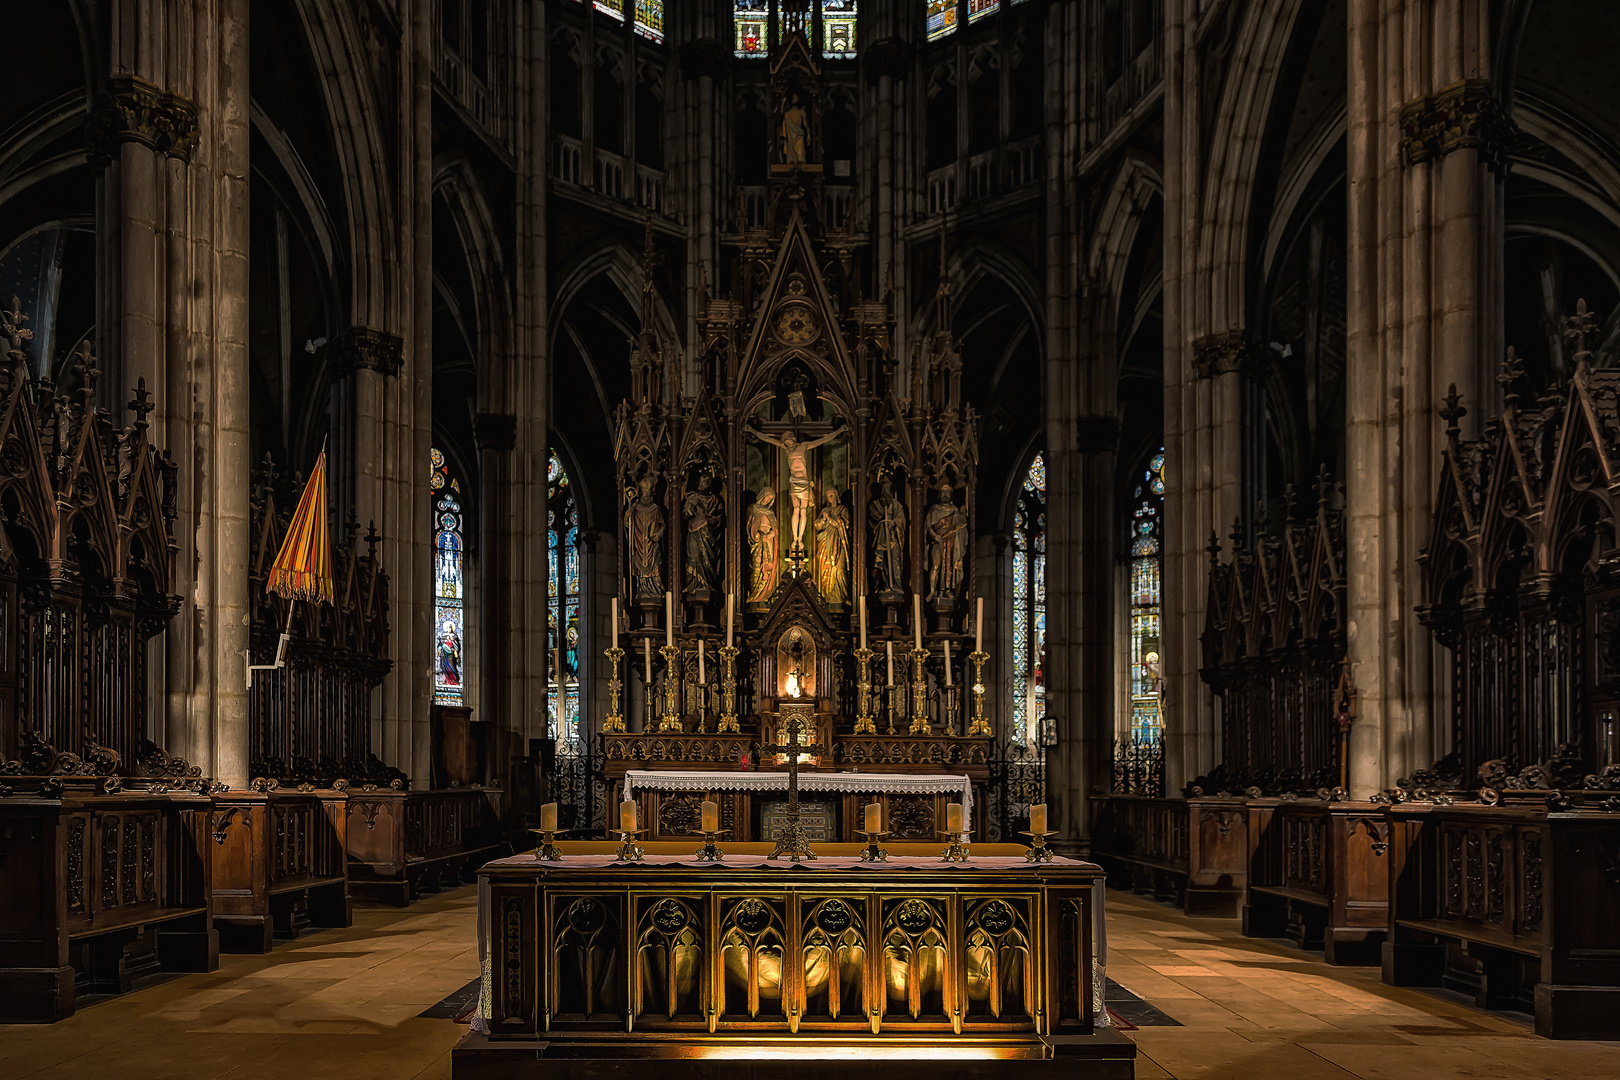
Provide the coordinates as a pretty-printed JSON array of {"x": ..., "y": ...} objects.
[{"x": 994, "y": 963}]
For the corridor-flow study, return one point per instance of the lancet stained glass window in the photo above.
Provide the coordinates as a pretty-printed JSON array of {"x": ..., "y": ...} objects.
[
  {"x": 650, "y": 19},
  {"x": 838, "y": 29},
  {"x": 1147, "y": 561},
  {"x": 563, "y": 605},
  {"x": 614, "y": 8},
  {"x": 449, "y": 591},
  {"x": 752, "y": 18},
  {"x": 941, "y": 18},
  {"x": 978, "y": 9},
  {"x": 1029, "y": 604}
]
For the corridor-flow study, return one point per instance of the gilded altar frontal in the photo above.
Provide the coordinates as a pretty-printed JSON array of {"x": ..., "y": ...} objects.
[{"x": 828, "y": 539}]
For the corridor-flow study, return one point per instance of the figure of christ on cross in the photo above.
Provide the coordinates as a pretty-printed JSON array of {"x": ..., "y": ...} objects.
[
  {"x": 801, "y": 491},
  {"x": 790, "y": 838}
]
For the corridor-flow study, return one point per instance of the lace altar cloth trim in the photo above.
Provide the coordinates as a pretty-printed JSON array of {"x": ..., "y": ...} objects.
[{"x": 887, "y": 783}]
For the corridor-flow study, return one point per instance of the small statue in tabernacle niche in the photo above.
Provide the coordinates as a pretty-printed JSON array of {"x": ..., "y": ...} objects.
[
  {"x": 887, "y": 516},
  {"x": 704, "y": 517},
  {"x": 946, "y": 533},
  {"x": 795, "y": 131},
  {"x": 644, "y": 527},
  {"x": 832, "y": 551},
  {"x": 764, "y": 548}
]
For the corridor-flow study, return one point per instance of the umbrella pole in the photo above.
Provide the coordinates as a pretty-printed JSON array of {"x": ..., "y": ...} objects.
[{"x": 286, "y": 633}]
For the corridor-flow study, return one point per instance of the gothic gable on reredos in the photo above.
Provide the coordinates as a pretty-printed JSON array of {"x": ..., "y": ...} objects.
[
  {"x": 796, "y": 319},
  {"x": 796, "y": 604}
]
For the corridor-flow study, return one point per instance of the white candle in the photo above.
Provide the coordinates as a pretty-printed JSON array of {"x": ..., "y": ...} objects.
[
  {"x": 863, "y": 622},
  {"x": 889, "y": 646},
  {"x": 669, "y": 618},
  {"x": 548, "y": 817},
  {"x": 947, "y": 661},
  {"x": 711, "y": 816},
  {"x": 615, "y": 622},
  {"x": 978, "y": 628},
  {"x": 1037, "y": 818},
  {"x": 953, "y": 817},
  {"x": 701, "y": 679},
  {"x": 731, "y": 602},
  {"x": 874, "y": 817},
  {"x": 916, "y": 620},
  {"x": 646, "y": 643},
  {"x": 627, "y": 816}
]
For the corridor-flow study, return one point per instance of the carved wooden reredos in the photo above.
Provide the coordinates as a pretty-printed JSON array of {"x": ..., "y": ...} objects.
[{"x": 87, "y": 513}]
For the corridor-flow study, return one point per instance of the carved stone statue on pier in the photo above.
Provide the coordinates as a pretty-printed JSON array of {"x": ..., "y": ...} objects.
[
  {"x": 644, "y": 527},
  {"x": 764, "y": 548},
  {"x": 887, "y": 516},
  {"x": 832, "y": 551},
  {"x": 704, "y": 516},
  {"x": 946, "y": 533}
]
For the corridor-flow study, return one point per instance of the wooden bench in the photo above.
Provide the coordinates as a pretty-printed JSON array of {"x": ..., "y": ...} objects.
[
  {"x": 281, "y": 865},
  {"x": 404, "y": 844},
  {"x": 1317, "y": 875}
]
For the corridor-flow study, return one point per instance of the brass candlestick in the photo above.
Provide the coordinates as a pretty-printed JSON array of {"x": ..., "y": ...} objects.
[
  {"x": 956, "y": 850},
  {"x": 728, "y": 693},
  {"x": 709, "y": 852},
  {"x": 615, "y": 716},
  {"x": 874, "y": 850},
  {"x": 702, "y": 707},
  {"x": 978, "y": 725},
  {"x": 671, "y": 721},
  {"x": 864, "y": 724},
  {"x": 1038, "y": 851},
  {"x": 919, "y": 694},
  {"x": 628, "y": 850},
  {"x": 892, "y": 729},
  {"x": 548, "y": 850},
  {"x": 948, "y": 715}
]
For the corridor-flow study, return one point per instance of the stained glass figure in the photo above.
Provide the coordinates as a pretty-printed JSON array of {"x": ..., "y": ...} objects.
[
  {"x": 562, "y": 616},
  {"x": 838, "y": 29},
  {"x": 1146, "y": 597},
  {"x": 449, "y": 615},
  {"x": 941, "y": 18},
  {"x": 614, "y": 8},
  {"x": 1029, "y": 604},
  {"x": 650, "y": 19},
  {"x": 752, "y": 18},
  {"x": 978, "y": 9}
]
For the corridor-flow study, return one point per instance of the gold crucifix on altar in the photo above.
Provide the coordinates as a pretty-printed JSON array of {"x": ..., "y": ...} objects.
[{"x": 790, "y": 838}]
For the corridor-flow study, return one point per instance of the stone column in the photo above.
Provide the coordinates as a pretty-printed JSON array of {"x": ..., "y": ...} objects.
[{"x": 1425, "y": 138}]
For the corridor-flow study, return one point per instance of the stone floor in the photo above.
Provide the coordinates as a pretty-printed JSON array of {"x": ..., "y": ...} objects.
[{"x": 344, "y": 1004}]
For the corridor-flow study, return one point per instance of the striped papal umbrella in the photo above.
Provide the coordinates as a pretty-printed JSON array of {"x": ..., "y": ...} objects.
[{"x": 303, "y": 569}]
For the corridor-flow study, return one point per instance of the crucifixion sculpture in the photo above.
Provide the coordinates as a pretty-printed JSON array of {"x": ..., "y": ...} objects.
[{"x": 790, "y": 838}]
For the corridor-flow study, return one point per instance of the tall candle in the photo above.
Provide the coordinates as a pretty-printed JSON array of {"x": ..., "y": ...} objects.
[
  {"x": 548, "y": 817},
  {"x": 627, "y": 816},
  {"x": 863, "y": 622},
  {"x": 615, "y": 618},
  {"x": 947, "y": 661},
  {"x": 978, "y": 628},
  {"x": 1037, "y": 818},
  {"x": 731, "y": 604},
  {"x": 889, "y": 647},
  {"x": 701, "y": 678},
  {"x": 711, "y": 816},
  {"x": 874, "y": 817},
  {"x": 646, "y": 652},
  {"x": 916, "y": 620},
  {"x": 953, "y": 817},
  {"x": 669, "y": 618}
]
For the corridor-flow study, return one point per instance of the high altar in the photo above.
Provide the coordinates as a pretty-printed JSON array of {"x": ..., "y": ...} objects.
[{"x": 796, "y": 528}]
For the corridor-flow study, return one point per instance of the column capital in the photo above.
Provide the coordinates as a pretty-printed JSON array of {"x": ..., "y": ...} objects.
[
  {"x": 133, "y": 110},
  {"x": 495, "y": 431},
  {"x": 366, "y": 348},
  {"x": 1227, "y": 352},
  {"x": 1466, "y": 115}
]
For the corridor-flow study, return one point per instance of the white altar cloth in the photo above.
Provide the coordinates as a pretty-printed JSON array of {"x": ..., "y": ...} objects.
[{"x": 887, "y": 783}]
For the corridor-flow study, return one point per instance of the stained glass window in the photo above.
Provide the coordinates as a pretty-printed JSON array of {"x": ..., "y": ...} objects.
[
  {"x": 563, "y": 607},
  {"x": 448, "y": 591},
  {"x": 752, "y": 18},
  {"x": 614, "y": 8},
  {"x": 978, "y": 9},
  {"x": 941, "y": 18},
  {"x": 1147, "y": 562},
  {"x": 650, "y": 19},
  {"x": 1029, "y": 604},
  {"x": 838, "y": 29}
]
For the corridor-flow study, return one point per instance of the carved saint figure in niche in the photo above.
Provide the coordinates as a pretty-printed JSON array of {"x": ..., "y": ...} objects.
[
  {"x": 832, "y": 550},
  {"x": 887, "y": 516},
  {"x": 946, "y": 529},
  {"x": 644, "y": 526},
  {"x": 763, "y": 548},
  {"x": 703, "y": 519},
  {"x": 795, "y": 132},
  {"x": 801, "y": 490}
]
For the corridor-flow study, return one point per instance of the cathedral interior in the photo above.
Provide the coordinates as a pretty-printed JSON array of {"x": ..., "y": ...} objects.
[{"x": 1099, "y": 516}]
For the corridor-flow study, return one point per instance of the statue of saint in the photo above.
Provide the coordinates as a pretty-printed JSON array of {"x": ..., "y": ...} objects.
[
  {"x": 946, "y": 529},
  {"x": 644, "y": 526},
  {"x": 887, "y": 516},
  {"x": 795, "y": 132},
  {"x": 832, "y": 550},
  {"x": 703, "y": 517},
  {"x": 763, "y": 548},
  {"x": 800, "y": 489}
]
